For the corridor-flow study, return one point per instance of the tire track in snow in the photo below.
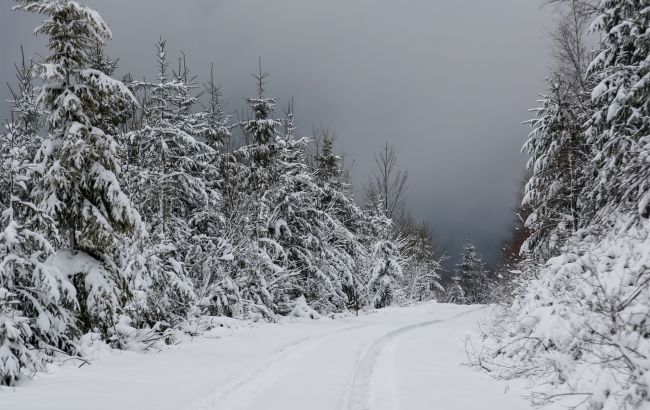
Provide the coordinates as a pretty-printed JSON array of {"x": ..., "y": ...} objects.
[
  {"x": 245, "y": 387},
  {"x": 358, "y": 395}
]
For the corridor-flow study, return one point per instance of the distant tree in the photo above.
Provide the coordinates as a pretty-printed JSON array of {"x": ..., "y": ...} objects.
[
  {"x": 385, "y": 260},
  {"x": 455, "y": 293},
  {"x": 421, "y": 280},
  {"x": 511, "y": 248},
  {"x": 218, "y": 124},
  {"x": 387, "y": 183},
  {"x": 513, "y": 260},
  {"x": 473, "y": 275}
]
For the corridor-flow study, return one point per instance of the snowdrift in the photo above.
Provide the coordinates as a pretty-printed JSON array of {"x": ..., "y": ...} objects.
[{"x": 579, "y": 330}]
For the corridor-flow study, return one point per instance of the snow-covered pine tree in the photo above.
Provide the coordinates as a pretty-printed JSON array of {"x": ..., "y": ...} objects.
[
  {"x": 260, "y": 155},
  {"x": 171, "y": 189},
  {"x": 217, "y": 134},
  {"x": 313, "y": 238},
  {"x": 455, "y": 293},
  {"x": 384, "y": 263},
  {"x": 111, "y": 118},
  {"x": 79, "y": 186},
  {"x": 473, "y": 275},
  {"x": 36, "y": 300},
  {"x": 420, "y": 280},
  {"x": 293, "y": 219},
  {"x": 336, "y": 193},
  {"x": 385, "y": 273},
  {"x": 327, "y": 165},
  {"x": 620, "y": 126},
  {"x": 210, "y": 255},
  {"x": 559, "y": 162},
  {"x": 337, "y": 202},
  {"x": 27, "y": 114},
  {"x": 259, "y": 259}
]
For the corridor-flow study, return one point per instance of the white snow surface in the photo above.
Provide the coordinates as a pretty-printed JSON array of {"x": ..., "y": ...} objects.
[{"x": 394, "y": 358}]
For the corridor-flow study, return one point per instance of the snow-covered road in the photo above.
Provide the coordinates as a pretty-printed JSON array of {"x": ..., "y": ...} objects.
[{"x": 397, "y": 358}]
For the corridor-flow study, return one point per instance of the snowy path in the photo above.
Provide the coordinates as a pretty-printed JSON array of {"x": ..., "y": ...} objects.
[{"x": 398, "y": 358}]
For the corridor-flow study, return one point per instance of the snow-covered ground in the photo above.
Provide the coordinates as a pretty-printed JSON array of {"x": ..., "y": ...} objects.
[{"x": 397, "y": 358}]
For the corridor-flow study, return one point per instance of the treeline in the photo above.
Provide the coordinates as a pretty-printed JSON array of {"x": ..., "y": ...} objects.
[
  {"x": 576, "y": 317},
  {"x": 130, "y": 207}
]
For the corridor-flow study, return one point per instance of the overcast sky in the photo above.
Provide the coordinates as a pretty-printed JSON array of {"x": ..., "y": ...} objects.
[{"x": 447, "y": 82}]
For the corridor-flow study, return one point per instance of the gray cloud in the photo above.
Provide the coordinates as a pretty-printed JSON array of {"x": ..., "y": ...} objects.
[{"x": 448, "y": 83}]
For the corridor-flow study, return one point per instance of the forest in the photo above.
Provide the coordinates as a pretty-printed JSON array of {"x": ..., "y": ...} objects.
[
  {"x": 135, "y": 211},
  {"x": 133, "y": 207}
]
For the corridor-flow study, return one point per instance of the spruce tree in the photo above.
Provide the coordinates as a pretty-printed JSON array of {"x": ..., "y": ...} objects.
[
  {"x": 384, "y": 262},
  {"x": 455, "y": 293},
  {"x": 259, "y": 258},
  {"x": 313, "y": 238},
  {"x": 559, "y": 164},
  {"x": 420, "y": 278},
  {"x": 217, "y": 132},
  {"x": 260, "y": 155},
  {"x": 337, "y": 203},
  {"x": 79, "y": 186},
  {"x": 210, "y": 254},
  {"x": 36, "y": 299},
  {"x": 172, "y": 190},
  {"x": 473, "y": 275},
  {"x": 620, "y": 125}
]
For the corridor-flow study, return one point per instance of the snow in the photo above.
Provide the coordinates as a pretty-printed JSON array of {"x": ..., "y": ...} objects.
[{"x": 394, "y": 358}]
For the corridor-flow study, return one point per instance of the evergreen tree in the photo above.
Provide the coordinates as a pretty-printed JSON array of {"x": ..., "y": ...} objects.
[
  {"x": 210, "y": 252},
  {"x": 169, "y": 157},
  {"x": 261, "y": 153},
  {"x": 336, "y": 194},
  {"x": 473, "y": 275},
  {"x": 217, "y": 131},
  {"x": 312, "y": 237},
  {"x": 27, "y": 116},
  {"x": 328, "y": 164},
  {"x": 559, "y": 164},
  {"x": 36, "y": 299},
  {"x": 79, "y": 186},
  {"x": 337, "y": 202},
  {"x": 385, "y": 262},
  {"x": 260, "y": 259},
  {"x": 111, "y": 118},
  {"x": 620, "y": 125},
  {"x": 172, "y": 189},
  {"x": 420, "y": 278},
  {"x": 455, "y": 292}
]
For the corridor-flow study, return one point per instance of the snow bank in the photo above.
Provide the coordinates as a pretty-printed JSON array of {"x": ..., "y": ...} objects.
[
  {"x": 581, "y": 330},
  {"x": 301, "y": 309}
]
